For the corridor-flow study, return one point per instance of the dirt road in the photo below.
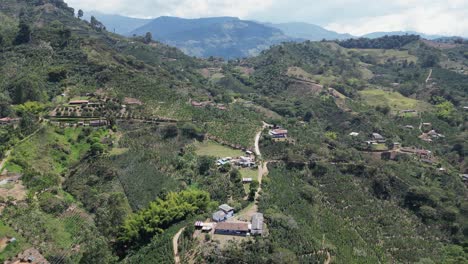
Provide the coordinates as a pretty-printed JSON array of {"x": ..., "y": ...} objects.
[
  {"x": 257, "y": 139},
  {"x": 2, "y": 163},
  {"x": 429, "y": 76},
  {"x": 175, "y": 243}
]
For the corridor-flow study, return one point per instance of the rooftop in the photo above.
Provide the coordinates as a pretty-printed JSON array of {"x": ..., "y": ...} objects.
[
  {"x": 233, "y": 226},
  {"x": 225, "y": 208}
]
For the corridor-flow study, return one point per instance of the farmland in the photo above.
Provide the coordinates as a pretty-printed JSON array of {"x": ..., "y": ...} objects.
[
  {"x": 394, "y": 100},
  {"x": 213, "y": 149}
]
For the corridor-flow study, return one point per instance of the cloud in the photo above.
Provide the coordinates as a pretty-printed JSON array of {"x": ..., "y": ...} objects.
[
  {"x": 447, "y": 17},
  {"x": 180, "y": 8}
]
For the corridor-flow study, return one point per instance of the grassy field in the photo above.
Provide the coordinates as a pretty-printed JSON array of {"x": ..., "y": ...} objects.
[
  {"x": 49, "y": 151},
  {"x": 383, "y": 55},
  {"x": 10, "y": 250},
  {"x": 249, "y": 173},
  {"x": 213, "y": 149},
  {"x": 394, "y": 100}
]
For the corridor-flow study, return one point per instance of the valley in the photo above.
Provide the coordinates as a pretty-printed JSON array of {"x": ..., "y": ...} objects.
[{"x": 121, "y": 149}]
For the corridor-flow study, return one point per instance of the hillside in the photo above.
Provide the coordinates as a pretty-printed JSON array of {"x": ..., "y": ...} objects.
[
  {"x": 225, "y": 37},
  {"x": 112, "y": 148},
  {"x": 308, "y": 31},
  {"x": 120, "y": 24}
]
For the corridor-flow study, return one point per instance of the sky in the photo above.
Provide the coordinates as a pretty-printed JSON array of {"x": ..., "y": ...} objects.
[{"x": 357, "y": 17}]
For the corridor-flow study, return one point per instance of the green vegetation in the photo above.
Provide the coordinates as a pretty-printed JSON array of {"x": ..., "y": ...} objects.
[
  {"x": 11, "y": 249},
  {"x": 394, "y": 100},
  {"x": 122, "y": 191},
  {"x": 163, "y": 213},
  {"x": 213, "y": 149}
]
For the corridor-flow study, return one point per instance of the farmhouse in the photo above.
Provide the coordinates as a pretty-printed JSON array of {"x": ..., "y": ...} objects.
[
  {"x": 279, "y": 133},
  {"x": 225, "y": 212},
  {"x": 98, "y": 123},
  {"x": 228, "y": 210},
  {"x": 245, "y": 162},
  {"x": 79, "y": 102},
  {"x": 5, "y": 121},
  {"x": 378, "y": 138},
  {"x": 232, "y": 228},
  {"x": 421, "y": 153},
  {"x": 247, "y": 180},
  {"x": 132, "y": 101},
  {"x": 257, "y": 224},
  {"x": 219, "y": 216}
]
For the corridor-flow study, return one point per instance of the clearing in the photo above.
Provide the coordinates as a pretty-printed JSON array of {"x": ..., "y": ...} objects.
[
  {"x": 382, "y": 55},
  {"x": 394, "y": 100},
  {"x": 213, "y": 149},
  {"x": 15, "y": 190}
]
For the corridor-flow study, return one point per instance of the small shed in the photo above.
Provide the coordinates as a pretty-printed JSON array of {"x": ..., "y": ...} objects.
[
  {"x": 219, "y": 216},
  {"x": 228, "y": 210},
  {"x": 257, "y": 224}
]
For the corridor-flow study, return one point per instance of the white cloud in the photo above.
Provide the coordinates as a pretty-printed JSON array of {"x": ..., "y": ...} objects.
[
  {"x": 180, "y": 8},
  {"x": 449, "y": 17}
]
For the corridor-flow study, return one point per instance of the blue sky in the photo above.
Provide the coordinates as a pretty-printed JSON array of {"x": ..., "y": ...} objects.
[{"x": 446, "y": 17}]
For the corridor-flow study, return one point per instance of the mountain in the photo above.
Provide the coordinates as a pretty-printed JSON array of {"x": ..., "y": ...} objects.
[
  {"x": 226, "y": 37},
  {"x": 110, "y": 148},
  {"x": 399, "y": 33},
  {"x": 116, "y": 23},
  {"x": 308, "y": 31}
]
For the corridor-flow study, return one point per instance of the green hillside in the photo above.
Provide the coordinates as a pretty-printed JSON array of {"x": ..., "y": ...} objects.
[{"x": 116, "y": 141}]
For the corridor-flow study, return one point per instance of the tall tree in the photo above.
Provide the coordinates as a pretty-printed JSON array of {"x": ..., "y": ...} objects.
[
  {"x": 148, "y": 37},
  {"x": 80, "y": 13},
  {"x": 24, "y": 34}
]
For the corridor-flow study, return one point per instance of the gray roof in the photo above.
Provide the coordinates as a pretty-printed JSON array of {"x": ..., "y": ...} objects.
[
  {"x": 219, "y": 215},
  {"x": 377, "y": 136},
  {"x": 257, "y": 221},
  {"x": 225, "y": 208}
]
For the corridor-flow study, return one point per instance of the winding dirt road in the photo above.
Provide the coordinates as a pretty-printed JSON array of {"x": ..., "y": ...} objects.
[
  {"x": 429, "y": 76},
  {"x": 175, "y": 243},
  {"x": 2, "y": 163}
]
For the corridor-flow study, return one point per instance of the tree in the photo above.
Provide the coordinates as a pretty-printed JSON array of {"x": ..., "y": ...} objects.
[
  {"x": 148, "y": 37},
  {"x": 27, "y": 88},
  {"x": 80, "y": 14},
  {"x": 24, "y": 34},
  {"x": 96, "y": 24},
  {"x": 170, "y": 131}
]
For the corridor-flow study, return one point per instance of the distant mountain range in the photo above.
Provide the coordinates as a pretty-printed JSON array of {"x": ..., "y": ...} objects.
[
  {"x": 119, "y": 24},
  {"x": 398, "y": 33},
  {"x": 308, "y": 31},
  {"x": 226, "y": 37}
]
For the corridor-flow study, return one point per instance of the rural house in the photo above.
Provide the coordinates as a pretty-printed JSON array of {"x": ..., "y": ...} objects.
[
  {"x": 219, "y": 216},
  {"x": 228, "y": 210},
  {"x": 225, "y": 212},
  {"x": 79, "y": 102},
  {"x": 257, "y": 224},
  {"x": 232, "y": 228},
  {"x": 378, "y": 138},
  {"x": 247, "y": 180},
  {"x": 98, "y": 123},
  {"x": 279, "y": 133}
]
